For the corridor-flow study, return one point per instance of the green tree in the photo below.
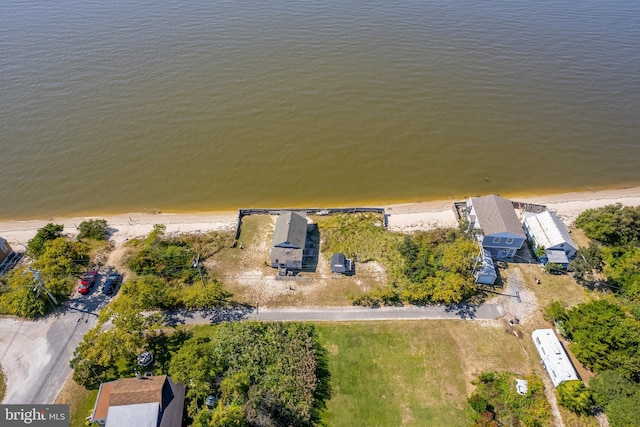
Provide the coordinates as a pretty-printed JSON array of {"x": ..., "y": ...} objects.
[
  {"x": 35, "y": 247},
  {"x": 231, "y": 415},
  {"x": 611, "y": 225},
  {"x": 93, "y": 229},
  {"x": 111, "y": 353},
  {"x": 275, "y": 373},
  {"x": 611, "y": 385},
  {"x": 21, "y": 299},
  {"x": 61, "y": 258},
  {"x": 574, "y": 396},
  {"x": 623, "y": 412}
]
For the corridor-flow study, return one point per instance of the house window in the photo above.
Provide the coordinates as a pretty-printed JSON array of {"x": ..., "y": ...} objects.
[
  {"x": 496, "y": 240},
  {"x": 509, "y": 241}
]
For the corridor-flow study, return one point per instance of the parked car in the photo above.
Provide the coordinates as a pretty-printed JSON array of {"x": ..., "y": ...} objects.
[
  {"x": 111, "y": 283},
  {"x": 87, "y": 282}
]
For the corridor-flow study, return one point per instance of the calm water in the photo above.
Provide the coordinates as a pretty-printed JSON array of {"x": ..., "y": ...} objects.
[{"x": 122, "y": 105}]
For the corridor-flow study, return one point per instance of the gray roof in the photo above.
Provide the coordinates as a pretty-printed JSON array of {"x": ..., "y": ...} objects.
[
  {"x": 496, "y": 215},
  {"x": 136, "y": 415},
  {"x": 291, "y": 230},
  {"x": 557, "y": 257}
]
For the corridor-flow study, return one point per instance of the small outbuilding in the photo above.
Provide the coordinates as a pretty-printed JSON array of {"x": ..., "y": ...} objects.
[
  {"x": 339, "y": 263},
  {"x": 556, "y": 257},
  {"x": 554, "y": 357},
  {"x": 485, "y": 270},
  {"x": 289, "y": 239}
]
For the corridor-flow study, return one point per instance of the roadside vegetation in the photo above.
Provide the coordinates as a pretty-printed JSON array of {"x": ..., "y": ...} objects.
[
  {"x": 426, "y": 267},
  {"x": 605, "y": 334},
  {"x": 59, "y": 262},
  {"x": 106, "y": 354}
]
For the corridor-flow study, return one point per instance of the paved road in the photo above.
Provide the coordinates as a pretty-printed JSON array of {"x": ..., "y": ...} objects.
[
  {"x": 467, "y": 312},
  {"x": 35, "y": 355}
]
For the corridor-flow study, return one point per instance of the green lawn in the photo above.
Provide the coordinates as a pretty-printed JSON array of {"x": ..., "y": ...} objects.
[
  {"x": 80, "y": 400},
  {"x": 411, "y": 373}
]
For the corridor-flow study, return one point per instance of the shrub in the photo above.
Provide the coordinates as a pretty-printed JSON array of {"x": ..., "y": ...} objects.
[
  {"x": 93, "y": 229},
  {"x": 574, "y": 396}
]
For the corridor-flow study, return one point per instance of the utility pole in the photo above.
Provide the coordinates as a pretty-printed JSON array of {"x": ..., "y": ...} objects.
[{"x": 41, "y": 284}]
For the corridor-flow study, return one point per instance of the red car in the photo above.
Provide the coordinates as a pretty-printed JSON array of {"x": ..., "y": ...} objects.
[{"x": 87, "y": 281}]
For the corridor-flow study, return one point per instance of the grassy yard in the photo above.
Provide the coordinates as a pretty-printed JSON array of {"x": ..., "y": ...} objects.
[
  {"x": 246, "y": 274},
  {"x": 412, "y": 373},
  {"x": 553, "y": 287},
  {"x": 80, "y": 401}
]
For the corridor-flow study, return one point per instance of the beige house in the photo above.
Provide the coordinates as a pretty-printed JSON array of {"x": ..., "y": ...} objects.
[{"x": 5, "y": 250}]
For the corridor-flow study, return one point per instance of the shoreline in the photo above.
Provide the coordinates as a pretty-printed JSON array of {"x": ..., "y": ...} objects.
[{"x": 406, "y": 217}]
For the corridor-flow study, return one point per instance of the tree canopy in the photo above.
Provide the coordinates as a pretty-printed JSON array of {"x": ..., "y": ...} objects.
[
  {"x": 612, "y": 225},
  {"x": 35, "y": 247},
  {"x": 264, "y": 374}
]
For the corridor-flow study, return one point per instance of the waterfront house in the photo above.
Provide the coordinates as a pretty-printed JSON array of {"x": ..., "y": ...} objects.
[
  {"x": 5, "y": 250},
  {"x": 496, "y": 224},
  {"x": 554, "y": 358},
  {"x": 144, "y": 401},
  {"x": 545, "y": 230},
  {"x": 289, "y": 238}
]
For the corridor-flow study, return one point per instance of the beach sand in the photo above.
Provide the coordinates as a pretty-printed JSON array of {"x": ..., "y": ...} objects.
[{"x": 406, "y": 217}]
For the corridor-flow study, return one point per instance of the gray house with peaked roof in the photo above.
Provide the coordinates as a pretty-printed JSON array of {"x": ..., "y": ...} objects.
[
  {"x": 289, "y": 238},
  {"x": 499, "y": 230}
]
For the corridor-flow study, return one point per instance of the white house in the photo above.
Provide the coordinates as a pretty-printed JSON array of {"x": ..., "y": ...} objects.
[
  {"x": 546, "y": 230},
  {"x": 554, "y": 357}
]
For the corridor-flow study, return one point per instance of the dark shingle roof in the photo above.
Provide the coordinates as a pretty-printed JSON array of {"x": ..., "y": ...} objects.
[
  {"x": 496, "y": 215},
  {"x": 291, "y": 230}
]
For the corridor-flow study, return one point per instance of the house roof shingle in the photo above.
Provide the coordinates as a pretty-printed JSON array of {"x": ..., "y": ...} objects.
[
  {"x": 291, "y": 230},
  {"x": 496, "y": 215}
]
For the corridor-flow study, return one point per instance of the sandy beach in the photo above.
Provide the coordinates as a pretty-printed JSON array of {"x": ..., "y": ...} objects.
[{"x": 406, "y": 217}]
